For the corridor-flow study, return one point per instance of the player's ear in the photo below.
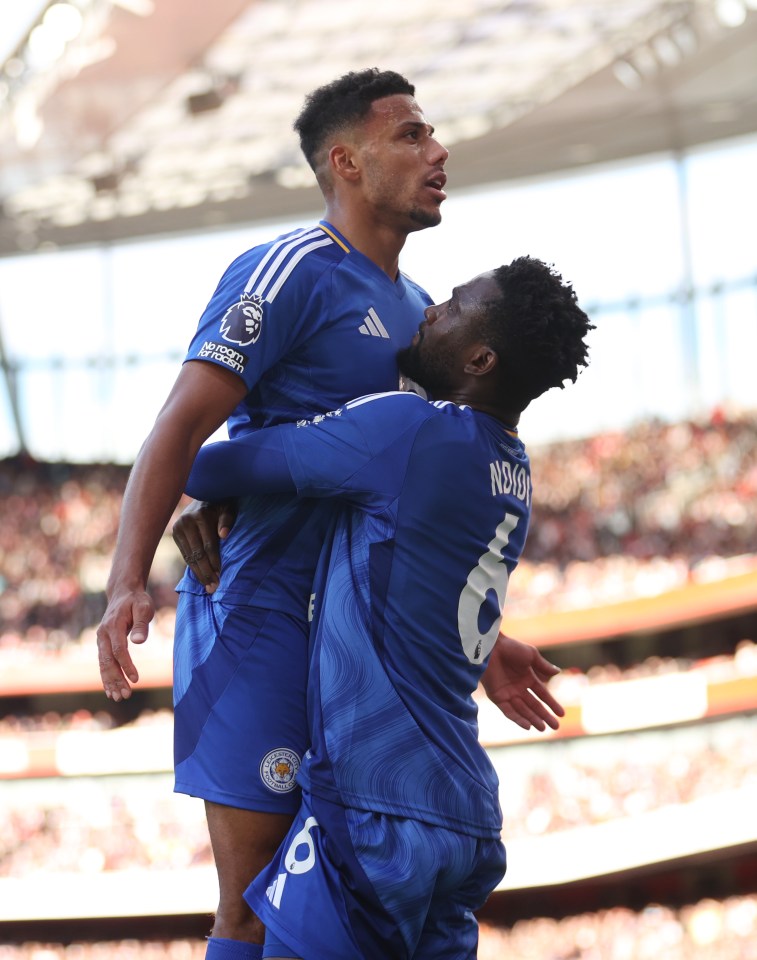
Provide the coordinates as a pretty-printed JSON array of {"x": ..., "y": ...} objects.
[
  {"x": 342, "y": 162},
  {"x": 481, "y": 360}
]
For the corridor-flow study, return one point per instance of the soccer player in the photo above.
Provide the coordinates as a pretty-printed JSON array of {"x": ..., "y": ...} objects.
[{"x": 397, "y": 840}]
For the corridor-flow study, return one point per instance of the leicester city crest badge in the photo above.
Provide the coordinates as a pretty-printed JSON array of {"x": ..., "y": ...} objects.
[
  {"x": 243, "y": 322},
  {"x": 279, "y": 769}
]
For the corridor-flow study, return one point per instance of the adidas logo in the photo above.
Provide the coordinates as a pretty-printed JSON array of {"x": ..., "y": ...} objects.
[
  {"x": 276, "y": 889},
  {"x": 372, "y": 326}
]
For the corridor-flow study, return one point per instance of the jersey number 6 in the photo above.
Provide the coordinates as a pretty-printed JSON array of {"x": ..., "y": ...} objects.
[{"x": 490, "y": 575}]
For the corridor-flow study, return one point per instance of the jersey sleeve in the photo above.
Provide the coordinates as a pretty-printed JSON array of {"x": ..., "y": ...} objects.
[
  {"x": 357, "y": 453},
  {"x": 252, "y": 463},
  {"x": 268, "y": 301},
  {"x": 360, "y": 451}
]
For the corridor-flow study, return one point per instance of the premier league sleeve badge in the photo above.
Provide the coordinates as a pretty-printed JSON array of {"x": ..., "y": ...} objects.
[{"x": 243, "y": 322}]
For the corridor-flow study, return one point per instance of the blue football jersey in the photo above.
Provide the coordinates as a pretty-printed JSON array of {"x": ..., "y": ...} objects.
[
  {"x": 307, "y": 322},
  {"x": 408, "y": 601}
]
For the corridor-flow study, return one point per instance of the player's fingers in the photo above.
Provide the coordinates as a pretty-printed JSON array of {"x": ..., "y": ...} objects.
[
  {"x": 211, "y": 544},
  {"x": 527, "y": 711},
  {"x": 120, "y": 648},
  {"x": 541, "y": 717},
  {"x": 227, "y": 515},
  {"x": 549, "y": 719},
  {"x": 196, "y": 537},
  {"x": 515, "y": 705},
  {"x": 192, "y": 548},
  {"x": 138, "y": 632},
  {"x": 114, "y": 682},
  {"x": 534, "y": 717},
  {"x": 544, "y": 669},
  {"x": 142, "y": 612},
  {"x": 200, "y": 565},
  {"x": 535, "y": 710},
  {"x": 542, "y": 692},
  {"x": 185, "y": 536},
  {"x": 513, "y": 713}
]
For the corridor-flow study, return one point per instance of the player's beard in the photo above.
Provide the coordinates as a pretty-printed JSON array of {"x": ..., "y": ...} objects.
[
  {"x": 430, "y": 369},
  {"x": 426, "y": 218}
]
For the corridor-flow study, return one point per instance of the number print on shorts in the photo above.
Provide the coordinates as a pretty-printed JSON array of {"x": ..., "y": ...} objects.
[
  {"x": 301, "y": 839},
  {"x": 488, "y": 576}
]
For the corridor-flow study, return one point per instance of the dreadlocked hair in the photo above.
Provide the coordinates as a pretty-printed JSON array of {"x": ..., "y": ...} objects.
[{"x": 537, "y": 330}]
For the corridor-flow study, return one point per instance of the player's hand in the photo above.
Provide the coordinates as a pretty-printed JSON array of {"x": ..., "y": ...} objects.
[
  {"x": 516, "y": 679},
  {"x": 198, "y": 533},
  {"x": 127, "y": 616}
]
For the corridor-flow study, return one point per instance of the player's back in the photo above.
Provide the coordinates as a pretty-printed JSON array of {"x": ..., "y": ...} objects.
[{"x": 411, "y": 606}]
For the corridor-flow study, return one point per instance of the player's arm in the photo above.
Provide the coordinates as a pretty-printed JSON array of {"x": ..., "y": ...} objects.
[
  {"x": 330, "y": 456},
  {"x": 222, "y": 471},
  {"x": 516, "y": 679},
  {"x": 202, "y": 398},
  {"x": 253, "y": 463}
]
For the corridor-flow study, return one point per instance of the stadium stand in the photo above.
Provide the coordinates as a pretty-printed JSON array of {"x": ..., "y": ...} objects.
[{"x": 705, "y": 930}]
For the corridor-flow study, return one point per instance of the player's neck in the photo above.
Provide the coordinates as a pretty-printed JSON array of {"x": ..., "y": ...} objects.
[
  {"x": 379, "y": 242},
  {"x": 508, "y": 418}
]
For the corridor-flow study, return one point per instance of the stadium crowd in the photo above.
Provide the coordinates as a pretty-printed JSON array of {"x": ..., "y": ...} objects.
[
  {"x": 580, "y": 782},
  {"x": 615, "y": 515},
  {"x": 708, "y": 929},
  {"x": 95, "y": 826},
  {"x": 656, "y": 490},
  {"x": 116, "y": 823},
  {"x": 568, "y": 687},
  {"x": 58, "y": 525}
]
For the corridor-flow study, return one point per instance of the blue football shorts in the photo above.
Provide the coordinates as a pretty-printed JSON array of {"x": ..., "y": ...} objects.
[
  {"x": 349, "y": 884},
  {"x": 240, "y": 723}
]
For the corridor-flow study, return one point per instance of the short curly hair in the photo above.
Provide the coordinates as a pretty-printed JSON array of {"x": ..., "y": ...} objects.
[
  {"x": 341, "y": 103},
  {"x": 537, "y": 330}
]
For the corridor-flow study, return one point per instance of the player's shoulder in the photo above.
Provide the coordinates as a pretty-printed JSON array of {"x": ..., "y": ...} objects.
[
  {"x": 297, "y": 257},
  {"x": 453, "y": 427},
  {"x": 408, "y": 403},
  {"x": 445, "y": 412},
  {"x": 394, "y": 413},
  {"x": 390, "y": 403}
]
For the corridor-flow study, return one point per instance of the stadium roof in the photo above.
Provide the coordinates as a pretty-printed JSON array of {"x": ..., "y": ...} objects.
[{"x": 124, "y": 118}]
